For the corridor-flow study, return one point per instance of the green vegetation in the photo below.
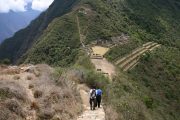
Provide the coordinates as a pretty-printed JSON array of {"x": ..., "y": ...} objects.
[
  {"x": 121, "y": 50},
  {"x": 148, "y": 102},
  {"x": 58, "y": 45},
  {"x": 95, "y": 79},
  {"x": 5, "y": 61},
  {"x": 84, "y": 61},
  {"x": 4, "y": 94},
  {"x": 143, "y": 21},
  {"x": 14, "y": 48},
  {"x": 90, "y": 76},
  {"x": 159, "y": 74},
  {"x": 150, "y": 90}
]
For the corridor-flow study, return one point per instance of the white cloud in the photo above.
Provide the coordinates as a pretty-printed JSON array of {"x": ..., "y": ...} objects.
[
  {"x": 20, "y": 5},
  {"x": 15, "y": 5},
  {"x": 41, "y": 5}
]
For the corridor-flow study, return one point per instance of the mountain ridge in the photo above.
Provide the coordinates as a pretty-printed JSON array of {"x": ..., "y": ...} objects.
[
  {"x": 21, "y": 44},
  {"x": 138, "y": 19}
]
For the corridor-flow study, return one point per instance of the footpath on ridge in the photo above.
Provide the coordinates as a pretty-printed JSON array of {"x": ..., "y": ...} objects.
[
  {"x": 108, "y": 69},
  {"x": 87, "y": 114},
  {"x": 97, "y": 114}
]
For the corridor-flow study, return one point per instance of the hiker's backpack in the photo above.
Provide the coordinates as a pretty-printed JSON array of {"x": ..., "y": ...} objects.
[
  {"x": 93, "y": 94},
  {"x": 99, "y": 92}
]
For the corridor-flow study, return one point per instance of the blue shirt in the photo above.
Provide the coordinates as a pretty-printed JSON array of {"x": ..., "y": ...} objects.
[{"x": 99, "y": 92}]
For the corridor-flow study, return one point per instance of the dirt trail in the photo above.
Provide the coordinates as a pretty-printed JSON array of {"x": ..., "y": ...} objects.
[
  {"x": 79, "y": 31},
  {"x": 102, "y": 64},
  {"x": 88, "y": 114},
  {"x": 32, "y": 115},
  {"x": 131, "y": 60},
  {"x": 105, "y": 67}
]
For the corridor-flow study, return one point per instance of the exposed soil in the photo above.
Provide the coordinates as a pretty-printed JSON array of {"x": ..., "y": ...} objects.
[{"x": 104, "y": 66}]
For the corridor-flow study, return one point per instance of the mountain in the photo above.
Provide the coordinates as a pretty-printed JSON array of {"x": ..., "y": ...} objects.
[
  {"x": 11, "y": 22},
  {"x": 143, "y": 21},
  {"x": 16, "y": 46},
  {"x": 60, "y": 35}
]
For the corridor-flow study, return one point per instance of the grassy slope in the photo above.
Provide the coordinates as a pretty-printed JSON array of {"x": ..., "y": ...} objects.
[
  {"x": 121, "y": 50},
  {"x": 150, "y": 90},
  {"x": 58, "y": 45},
  {"x": 159, "y": 74},
  {"x": 141, "y": 20}
]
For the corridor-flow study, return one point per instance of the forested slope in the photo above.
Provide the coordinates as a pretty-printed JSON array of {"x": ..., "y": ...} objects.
[{"x": 141, "y": 20}]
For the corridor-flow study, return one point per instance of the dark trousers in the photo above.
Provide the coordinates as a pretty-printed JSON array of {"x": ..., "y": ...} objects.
[
  {"x": 92, "y": 102},
  {"x": 98, "y": 99}
]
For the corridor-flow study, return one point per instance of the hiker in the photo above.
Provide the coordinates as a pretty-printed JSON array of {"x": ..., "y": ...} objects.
[
  {"x": 98, "y": 97},
  {"x": 92, "y": 99}
]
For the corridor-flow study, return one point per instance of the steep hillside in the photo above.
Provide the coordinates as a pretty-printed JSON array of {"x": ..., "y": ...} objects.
[
  {"x": 102, "y": 19},
  {"x": 150, "y": 91},
  {"x": 58, "y": 45},
  {"x": 37, "y": 93},
  {"x": 13, "y": 48}
]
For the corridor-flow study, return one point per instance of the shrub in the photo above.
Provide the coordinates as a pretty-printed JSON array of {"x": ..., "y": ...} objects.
[
  {"x": 5, "y": 61},
  {"x": 31, "y": 86},
  {"x": 46, "y": 114},
  {"x": 95, "y": 79},
  {"x": 16, "y": 77},
  {"x": 148, "y": 101},
  {"x": 5, "y": 93},
  {"x": 29, "y": 77},
  {"x": 15, "y": 107},
  {"x": 37, "y": 73},
  {"x": 38, "y": 94},
  {"x": 34, "y": 106}
]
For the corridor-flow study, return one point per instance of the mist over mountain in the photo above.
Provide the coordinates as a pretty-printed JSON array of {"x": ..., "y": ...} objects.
[{"x": 11, "y": 22}]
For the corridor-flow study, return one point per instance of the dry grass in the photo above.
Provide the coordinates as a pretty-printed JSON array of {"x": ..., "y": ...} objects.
[
  {"x": 43, "y": 95},
  {"x": 14, "y": 106},
  {"x": 38, "y": 94},
  {"x": 37, "y": 73},
  {"x": 111, "y": 114},
  {"x": 11, "y": 71},
  {"x": 29, "y": 77},
  {"x": 31, "y": 86},
  {"x": 16, "y": 77},
  {"x": 34, "y": 105},
  {"x": 6, "y": 114}
]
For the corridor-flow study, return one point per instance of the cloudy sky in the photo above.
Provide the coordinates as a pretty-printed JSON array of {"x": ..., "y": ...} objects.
[{"x": 20, "y": 5}]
